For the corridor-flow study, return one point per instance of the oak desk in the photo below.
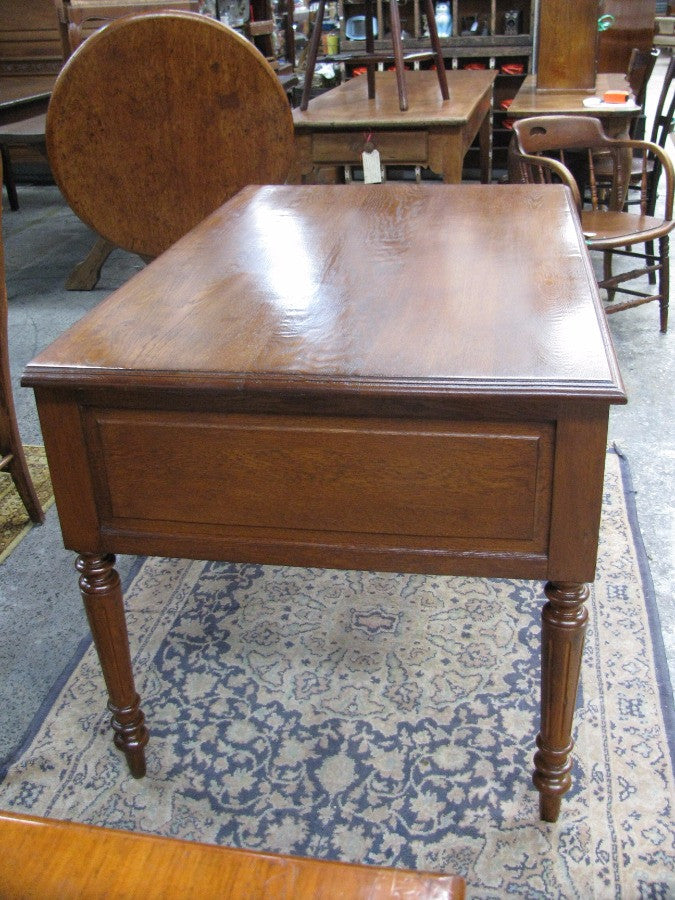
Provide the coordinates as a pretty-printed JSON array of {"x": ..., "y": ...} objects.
[
  {"x": 615, "y": 118},
  {"x": 391, "y": 377},
  {"x": 433, "y": 132}
]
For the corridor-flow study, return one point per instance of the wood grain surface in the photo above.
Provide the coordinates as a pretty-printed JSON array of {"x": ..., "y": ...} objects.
[
  {"x": 144, "y": 152},
  {"x": 45, "y": 859}
]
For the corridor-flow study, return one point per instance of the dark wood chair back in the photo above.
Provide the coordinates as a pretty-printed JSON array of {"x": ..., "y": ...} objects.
[
  {"x": 640, "y": 68},
  {"x": 158, "y": 119},
  {"x": 547, "y": 148},
  {"x": 12, "y": 456},
  {"x": 78, "y": 18}
]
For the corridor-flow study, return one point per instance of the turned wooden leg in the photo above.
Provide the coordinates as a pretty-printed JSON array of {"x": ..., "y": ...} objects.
[
  {"x": 563, "y": 620},
  {"x": 102, "y": 595},
  {"x": 664, "y": 282}
]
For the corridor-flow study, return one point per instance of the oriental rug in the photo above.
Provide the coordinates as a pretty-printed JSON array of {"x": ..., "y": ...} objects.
[
  {"x": 386, "y": 719},
  {"x": 14, "y": 520}
]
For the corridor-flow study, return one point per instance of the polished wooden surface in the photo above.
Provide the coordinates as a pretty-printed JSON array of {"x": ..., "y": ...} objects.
[
  {"x": 531, "y": 102},
  {"x": 45, "y": 858},
  {"x": 401, "y": 400},
  {"x": 432, "y": 131},
  {"x": 567, "y": 39},
  {"x": 373, "y": 317},
  {"x": 143, "y": 153}
]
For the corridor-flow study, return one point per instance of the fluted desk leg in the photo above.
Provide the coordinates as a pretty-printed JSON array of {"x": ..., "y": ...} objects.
[
  {"x": 564, "y": 620},
  {"x": 102, "y": 595}
]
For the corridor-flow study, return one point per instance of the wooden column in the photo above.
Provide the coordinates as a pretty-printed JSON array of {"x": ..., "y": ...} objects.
[{"x": 567, "y": 45}]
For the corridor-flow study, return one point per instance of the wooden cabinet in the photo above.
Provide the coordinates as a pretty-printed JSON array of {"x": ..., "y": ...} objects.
[{"x": 476, "y": 24}]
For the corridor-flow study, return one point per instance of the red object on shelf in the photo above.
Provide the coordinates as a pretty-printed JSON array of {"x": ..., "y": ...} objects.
[
  {"x": 506, "y": 103},
  {"x": 475, "y": 65},
  {"x": 514, "y": 68},
  {"x": 508, "y": 123}
]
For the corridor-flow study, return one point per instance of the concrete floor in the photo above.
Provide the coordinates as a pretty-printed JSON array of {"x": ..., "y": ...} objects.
[{"x": 41, "y": 617}]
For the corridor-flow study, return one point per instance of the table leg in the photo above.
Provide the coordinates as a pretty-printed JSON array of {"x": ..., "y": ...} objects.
[
  {"x": 485, "y": 149},
  {"x": 102, "y": 595},
  {"x": 86, "y": 274},
  {"x": 446, "y": 156},
  {"x": 564, "y": 620}
]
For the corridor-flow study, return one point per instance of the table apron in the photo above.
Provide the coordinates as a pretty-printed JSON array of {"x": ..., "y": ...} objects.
[
  {"x": 346, "y": 147},
  {"x": 494, "y": 497}
]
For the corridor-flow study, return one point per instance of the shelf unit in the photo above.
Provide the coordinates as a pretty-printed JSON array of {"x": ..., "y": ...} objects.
[{"x": 493, "y": 50}]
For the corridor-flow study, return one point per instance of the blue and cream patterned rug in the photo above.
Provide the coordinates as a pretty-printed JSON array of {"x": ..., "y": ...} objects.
[{"x": 387, "y": 719}]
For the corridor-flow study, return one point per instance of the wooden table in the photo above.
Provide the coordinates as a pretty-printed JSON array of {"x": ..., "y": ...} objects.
[
  {"x": 615, "y": 119},
  {"x": 16, "y": 90},
  {"x": 23, "y": 106},
  {"x": 432, "y": 132},
  {"x": 399, "y": 377},
  {"x": 46, "y": 858}
]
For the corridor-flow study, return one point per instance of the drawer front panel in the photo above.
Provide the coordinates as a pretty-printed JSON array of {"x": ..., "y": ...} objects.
[
  {"x": 347, "y": 147},
  {"x": 486, "y": 484}
]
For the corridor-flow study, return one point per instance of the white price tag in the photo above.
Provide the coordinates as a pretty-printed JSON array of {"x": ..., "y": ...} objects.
[{"x": 372, "y": 172}]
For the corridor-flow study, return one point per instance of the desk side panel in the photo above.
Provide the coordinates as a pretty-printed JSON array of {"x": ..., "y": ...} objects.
[{"x": 392, "y": 494}]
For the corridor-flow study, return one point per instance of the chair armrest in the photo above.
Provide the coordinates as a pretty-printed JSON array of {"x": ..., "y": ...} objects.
[
  {"x": 664, "y": 160},
  {"x": 529, "y": 164}
]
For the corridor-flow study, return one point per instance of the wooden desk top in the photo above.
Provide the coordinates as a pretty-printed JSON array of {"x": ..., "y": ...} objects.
[
  {"x": 348, "y": 105},
  {"x": 47, "y": 858},
  {"x": 18, "y": 89},
  {"x": 531, "y": 102},
  {"x": 477, "y": 290}
]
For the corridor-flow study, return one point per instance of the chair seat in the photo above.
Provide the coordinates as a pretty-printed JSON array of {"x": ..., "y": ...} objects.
[{"x": 604, "y": 230}]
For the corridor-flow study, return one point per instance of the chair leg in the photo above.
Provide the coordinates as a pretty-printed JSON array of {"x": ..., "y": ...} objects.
[
  {"x": 398, "y": 54},
  {"x": 664, "y": 282},
  {"x": 649, "y": 250},
  {"x": 11, "y": 449},
  {"x": 312, "y": 54},
  {"x": 607, "y": 272},
  {"x": 8, "y": 178},
  {"x": 438, "y": 51},
  {"x": 18, "y": 469}
]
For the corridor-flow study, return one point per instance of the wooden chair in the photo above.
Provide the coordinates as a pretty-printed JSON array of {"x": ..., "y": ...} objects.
[
  {"x": 370, "y": 59},
  {"x": 77, "y": 16},
  {"x": 158, "y": 119},
  {"x": 640, "y": 68},
  {"x": 12, "y": 457},
  {"x": 606, "y": 228}
]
